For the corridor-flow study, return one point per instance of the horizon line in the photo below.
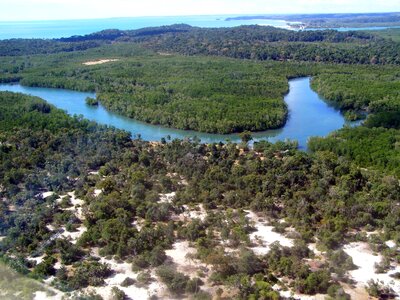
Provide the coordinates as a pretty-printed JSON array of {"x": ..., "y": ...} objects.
[{"x": 197, "y": 15}]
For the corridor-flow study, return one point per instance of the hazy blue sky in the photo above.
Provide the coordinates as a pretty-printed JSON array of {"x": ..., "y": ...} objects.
[{"x": 83, "y": 9}]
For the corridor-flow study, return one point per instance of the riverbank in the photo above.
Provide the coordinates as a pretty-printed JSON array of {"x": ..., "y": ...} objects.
[{"x": 309, "y": 115}]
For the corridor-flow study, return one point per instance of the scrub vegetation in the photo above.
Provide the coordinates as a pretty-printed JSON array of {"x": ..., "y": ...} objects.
[{"x": 88, "y": 208}]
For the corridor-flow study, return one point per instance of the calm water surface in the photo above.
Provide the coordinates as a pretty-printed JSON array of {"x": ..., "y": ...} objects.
[
  {"x": 309, "y": 115},
  {"x": 66, "y": 28}
]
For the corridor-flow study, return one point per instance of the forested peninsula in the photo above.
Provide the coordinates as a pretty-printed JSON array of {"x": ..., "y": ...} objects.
[
  {"x": 210, "y": 80},
  {"x": 95, "y": 214}
]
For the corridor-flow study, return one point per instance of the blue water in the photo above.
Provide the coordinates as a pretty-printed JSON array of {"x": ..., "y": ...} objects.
[
  {"x": 309, "y": 115},
  {"x": 66, "y": 28}
]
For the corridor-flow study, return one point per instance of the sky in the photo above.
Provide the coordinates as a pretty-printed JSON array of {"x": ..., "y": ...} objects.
[{"x": 23, "y": 10}]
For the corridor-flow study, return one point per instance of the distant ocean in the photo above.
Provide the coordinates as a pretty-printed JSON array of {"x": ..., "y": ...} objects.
[{"x": 66, "y": 28}]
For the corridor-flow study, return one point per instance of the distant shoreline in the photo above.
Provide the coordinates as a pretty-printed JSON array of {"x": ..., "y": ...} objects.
[{"x": 365, "y": 21}]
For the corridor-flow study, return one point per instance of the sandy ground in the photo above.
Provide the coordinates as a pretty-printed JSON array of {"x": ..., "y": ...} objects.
[
  {"x": 47, "y": 194},
  {"x": 365, "y": 260},
  {"x": 44, "y": 296},
  {"x": 75, "y": 235},
  {"x": 167, "y": 198},
  {"x": 264, "y": 236},
  {"x": 313, "y": 248},
  {"x": 98, "y": 62},
  {"x": 390, "y": 244},
  {"x": 198, "y": 213},
  {"x": 50, "y": 227},
  {"x": 179, "y": 255},
  {"x": 122, "y": 271},
  {"x": 97, "y": 192},
  {"x": 38, "y": 259},
  {"x": 76, "y": 206},
  {"x": 289, "y": 294},
  {"x": 191, "y": 267}
]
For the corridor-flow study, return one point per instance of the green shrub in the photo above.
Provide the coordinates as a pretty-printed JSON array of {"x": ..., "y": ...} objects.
[{"x": 175, "y": 281}]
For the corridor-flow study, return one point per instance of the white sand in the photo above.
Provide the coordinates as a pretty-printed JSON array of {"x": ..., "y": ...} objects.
[
  {"x": 198, "y": 213},
  {"x": 74, "y": 236},
  {"x": 183, "y": 182},
  {"x": 122, "y": 271},
  {"x": 49, "y": 280},
  {"x": 291, "y": 295},
  {"x": 364, "y": 259},
  {"x": 167, "y": 198},
  {"x": 133, "y": 292},
  {"x": 39, "y": 295},
  {"x": 265, "y": 236},
  {"x": 138, "y": 224},
  {"x": 57, "y": 265},
  {"x": 75, "y": 201},
  {"x": 50, "y": 227},
  {"x": 76, "y": 206},
  {"x": 179, "y": 253},
  {"x": 47, "y": 194},
  {"x": 390, "y": 244},
  {"x": 313, "y": 248},
  {"x": 12, "y": 208},
  {"x": 97, "y": 192},
  {"x": 38, "y": 259},
  {"x": 99, "y": 62}
]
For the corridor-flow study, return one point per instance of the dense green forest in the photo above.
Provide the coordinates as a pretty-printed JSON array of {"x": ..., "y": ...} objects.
[
  {"x": 148, "y": 81},
  {"x": 44, "y": 149},
  {"x": 204, "y": 93},
  {"x": 258, "y": 42},
  {"x": 377, "y": 147},
  {"x": 249, "y": 42}
]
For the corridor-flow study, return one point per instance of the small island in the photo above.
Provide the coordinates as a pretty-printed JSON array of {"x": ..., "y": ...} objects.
[{"x": 91, "y": 101}]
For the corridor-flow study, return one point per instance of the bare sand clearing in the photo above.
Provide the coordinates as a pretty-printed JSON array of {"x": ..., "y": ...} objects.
[
  {"x": 75, "y": 235},
  {"x": 97, "y": 192},
  {"x": 265, "y": 236},
  {"x": 365, "y": 260},
  {"x": 122, "y": 271},
  {"x": 181, "y": 254},
  {"x": 38, "y": 259},
  {"x": 47, "y": 194},
  {"x": 167, "y": 198},
  {"x": 77, "y": 206},
  {"x": 291, "y": 295},
  {"x": 391, "y": 244},
  {"x": 98, "y": 62},
  {"x": 198, "y": 213},
  {"x": 40, "y": 295}
]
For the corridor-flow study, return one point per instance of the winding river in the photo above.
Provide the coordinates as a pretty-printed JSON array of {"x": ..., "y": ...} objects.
[{"x": 309, "y": 115}]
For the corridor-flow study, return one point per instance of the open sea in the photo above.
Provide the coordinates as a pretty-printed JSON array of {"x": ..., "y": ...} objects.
[{"x": 67, "y": 28}]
